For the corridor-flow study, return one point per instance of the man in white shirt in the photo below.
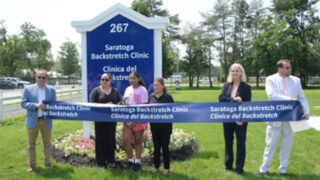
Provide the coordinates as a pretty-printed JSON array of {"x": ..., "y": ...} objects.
[{"x": 282, "y": 86}]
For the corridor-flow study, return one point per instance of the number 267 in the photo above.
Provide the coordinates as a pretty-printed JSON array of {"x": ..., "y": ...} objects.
[{"x": 118, "y": 28}]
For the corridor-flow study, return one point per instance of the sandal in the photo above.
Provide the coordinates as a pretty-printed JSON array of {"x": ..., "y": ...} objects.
[
  {"x": 155, "y": 170},
  {"x": 30, "y": 169},
  {"x": 165, "y": 171}
]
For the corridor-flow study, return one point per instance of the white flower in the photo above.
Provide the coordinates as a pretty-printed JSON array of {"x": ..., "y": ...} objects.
[{"x": 69, "y": 143}]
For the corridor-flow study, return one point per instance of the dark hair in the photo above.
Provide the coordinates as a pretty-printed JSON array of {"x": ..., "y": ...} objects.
[
  {"x": 140, "y": 82},
  {"x": 109, "y": 75},
  {"x": 161, "y": 81},
  {"x": 281, "y": 61}
]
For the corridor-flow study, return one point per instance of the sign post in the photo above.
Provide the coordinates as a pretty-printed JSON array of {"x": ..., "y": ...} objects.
[{"x": 119, "y": 41}]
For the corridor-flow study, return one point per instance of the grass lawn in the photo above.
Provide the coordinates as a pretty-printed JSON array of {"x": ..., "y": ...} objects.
[{"x": 208, "y": 163}]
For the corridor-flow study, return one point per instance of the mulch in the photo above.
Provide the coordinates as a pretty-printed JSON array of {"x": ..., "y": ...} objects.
[{"x": 146, "y": 162}]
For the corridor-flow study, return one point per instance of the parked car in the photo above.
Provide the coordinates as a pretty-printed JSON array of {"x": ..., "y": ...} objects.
[
  {"x": 17, "y": 82},
  {"x": 175, "y": 78},
  {"x": 204, "y": 80},
  {"x": 6, "y": 84}
]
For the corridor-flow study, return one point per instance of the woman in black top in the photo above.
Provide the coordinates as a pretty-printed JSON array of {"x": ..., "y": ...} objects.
[
  {"x": 235, "y": 90},
  {"x": 161, "y": 132},
  {"x": 105, "y": 131}
]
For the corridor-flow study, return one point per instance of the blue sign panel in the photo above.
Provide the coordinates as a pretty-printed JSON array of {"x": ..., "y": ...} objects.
[{"x": 120, "y": 46}]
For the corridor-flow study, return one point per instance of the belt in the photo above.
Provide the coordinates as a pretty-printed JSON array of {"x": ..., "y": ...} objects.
[{"x": 41, "y": 117}]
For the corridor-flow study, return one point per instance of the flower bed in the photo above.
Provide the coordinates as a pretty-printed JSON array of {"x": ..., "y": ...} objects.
[{"x": 76, "y": 144}]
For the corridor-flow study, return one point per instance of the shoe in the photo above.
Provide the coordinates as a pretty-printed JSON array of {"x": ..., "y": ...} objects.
[
  {"x": 136, "y": 168},
  {"x": 227, "y": 169},
  {"x": 155, "y": 170},
  {"x": 30, "y": 169},
  {"x": 165, "y": 171},
  {"x": 101, "y": 165},
  {"x": 260, "y": 174},
  {"x": 236, "y": 172},
  {"x": 111, "y": 164},
  {"x": 118, "y": 165},
  {"x": 114, "y": 165},
  {"x": 285, "y": 175},
  {"x": 129, "y": 166}
]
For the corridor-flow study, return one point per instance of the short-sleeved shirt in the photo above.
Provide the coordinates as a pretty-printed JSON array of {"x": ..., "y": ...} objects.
[
  {"x": 137, "y": 95},
  {"x": 98, "y": 96}
]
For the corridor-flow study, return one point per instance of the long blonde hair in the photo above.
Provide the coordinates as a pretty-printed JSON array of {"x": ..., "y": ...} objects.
[{"x": 243, "y": 73}]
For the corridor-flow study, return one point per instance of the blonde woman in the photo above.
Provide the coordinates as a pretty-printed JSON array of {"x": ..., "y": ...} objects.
[{"x": 235, "y": 90}]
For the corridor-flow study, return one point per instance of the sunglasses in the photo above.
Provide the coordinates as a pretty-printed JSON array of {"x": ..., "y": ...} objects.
[
  {"x": 42, "y": 77},
  {"x": 106, "y": 80},
  {"x": 287, "y": 68}
]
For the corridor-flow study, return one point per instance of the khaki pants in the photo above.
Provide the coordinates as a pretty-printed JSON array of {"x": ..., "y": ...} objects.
[{"x": 32, "y": 138}]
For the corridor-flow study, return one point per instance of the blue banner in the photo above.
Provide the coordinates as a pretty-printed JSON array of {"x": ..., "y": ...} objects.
[{"x": 262, "y": 111}]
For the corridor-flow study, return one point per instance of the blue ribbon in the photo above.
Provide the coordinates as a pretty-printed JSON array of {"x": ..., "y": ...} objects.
[{"x": 261, "y": 111}]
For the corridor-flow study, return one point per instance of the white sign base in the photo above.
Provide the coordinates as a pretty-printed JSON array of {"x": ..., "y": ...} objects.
[{"x": 87, "y": 129}]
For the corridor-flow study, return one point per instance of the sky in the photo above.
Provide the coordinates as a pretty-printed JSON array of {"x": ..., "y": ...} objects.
[{"x": 55, "y": 16}]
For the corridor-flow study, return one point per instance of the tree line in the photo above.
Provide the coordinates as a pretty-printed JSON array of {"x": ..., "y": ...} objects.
[
  {"x": 22, "y": 54},
  {"x": 232, "y": 31},
  {"x": 243, "y": 32}
]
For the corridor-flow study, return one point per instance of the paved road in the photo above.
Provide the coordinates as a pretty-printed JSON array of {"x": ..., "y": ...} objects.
[
  {"x": 17, "y": 110},
  {"x": 6, "y": 93}
]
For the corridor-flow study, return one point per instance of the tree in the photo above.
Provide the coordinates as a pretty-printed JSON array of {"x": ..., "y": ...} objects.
[
  {"x": 38, "y": 48},
  {"x": 219, "y": 22},
  {"x": 68, "y": 59},
  {"x": 12, "y": 56},
  {"x": 188, "y": 63},
  {"x": 194, "y": 61},
  {"x": 255, "y": 53},
  {"x": 240, "y": 10},
  {"x": 266, "y": 45},
  {"x": 12, "y": 53},
  {"x": 141, "y": 7},
  {"x": 303, "y": 22},
  {"x": 167, "y": 52},
  {"x": 155, "y": 9},
  {"x": 208, "y": 44},
  {"x": 172, "y": 30},
  {"x": 151, "y": 8},
  {"x": 199, "y": 53},
  {"x": 3, "y": 34}
]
